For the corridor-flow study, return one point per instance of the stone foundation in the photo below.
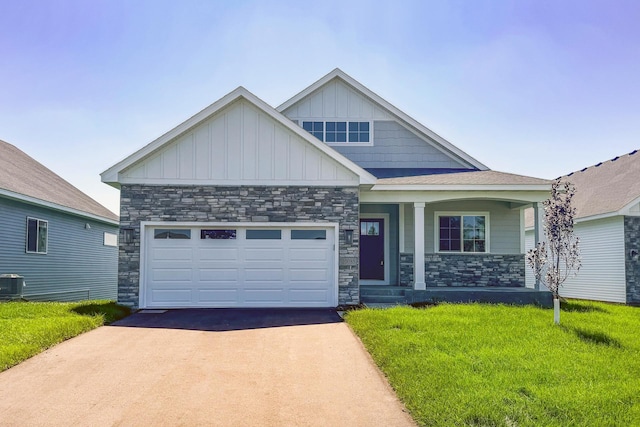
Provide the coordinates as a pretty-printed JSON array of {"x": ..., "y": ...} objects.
[
  {"x": 632, "y": 263},
  {"x": 238, "y": 204},
  {"x": 466, "y": 270}
]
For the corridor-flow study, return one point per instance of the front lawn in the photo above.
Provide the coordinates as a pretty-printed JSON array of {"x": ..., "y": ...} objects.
[
  {"x": 486, "y": 365},
  {"x": 28, "y": 328}
]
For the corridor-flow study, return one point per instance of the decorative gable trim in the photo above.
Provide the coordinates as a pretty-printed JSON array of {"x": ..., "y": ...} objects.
[
  {"x": 413, "y": 124},
  {"x": 112, "y": 175}
]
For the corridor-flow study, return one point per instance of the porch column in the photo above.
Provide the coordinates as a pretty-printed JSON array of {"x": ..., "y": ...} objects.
[
  {"x": 538, "y": 236},
  {"x": 418, "y": 252}
]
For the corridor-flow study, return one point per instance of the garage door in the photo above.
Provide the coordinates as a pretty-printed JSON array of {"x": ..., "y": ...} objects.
[{"x": 239, "y": 267}]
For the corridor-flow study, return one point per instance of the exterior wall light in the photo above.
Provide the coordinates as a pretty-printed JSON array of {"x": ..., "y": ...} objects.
[
  {"x": 127, "y": 235},
  {"x": 348, "y": 237}
]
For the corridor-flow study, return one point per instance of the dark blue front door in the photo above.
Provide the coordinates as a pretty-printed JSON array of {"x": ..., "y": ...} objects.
[{"x": 372, "y": 249}]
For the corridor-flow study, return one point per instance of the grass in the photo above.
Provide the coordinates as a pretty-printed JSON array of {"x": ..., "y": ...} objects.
[
  {"x": 498, "y": 365},
  {"x": 28, "y": 328}
]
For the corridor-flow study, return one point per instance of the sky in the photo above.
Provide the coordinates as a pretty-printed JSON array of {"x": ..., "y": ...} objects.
[{"x": 532, "y": 87}]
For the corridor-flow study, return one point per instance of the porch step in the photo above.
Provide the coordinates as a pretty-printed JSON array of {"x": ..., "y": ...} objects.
[{"x": 387, "y": 295}]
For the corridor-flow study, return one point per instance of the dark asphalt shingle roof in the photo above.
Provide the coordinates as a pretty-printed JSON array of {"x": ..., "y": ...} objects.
[{"x": 19, "y": 173}]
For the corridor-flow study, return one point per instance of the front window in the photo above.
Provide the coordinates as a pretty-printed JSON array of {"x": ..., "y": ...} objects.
[
  {"x": 37, "y": 236},
  {"x": 462, "y": 233}
]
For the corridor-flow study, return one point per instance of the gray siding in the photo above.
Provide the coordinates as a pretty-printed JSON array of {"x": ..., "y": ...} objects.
[
  {"x": 77, "y": 264},
  {"x": 504, "y": 224},
  {"x": 394, "y": 253},
  {"x": 394, "y": 146}
]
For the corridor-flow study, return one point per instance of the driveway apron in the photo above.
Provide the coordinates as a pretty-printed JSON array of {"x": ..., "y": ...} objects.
[{"x": 209, "y": 367}]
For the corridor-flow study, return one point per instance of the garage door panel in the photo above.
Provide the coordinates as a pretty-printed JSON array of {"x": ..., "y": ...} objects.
[
  {"x": 320, "y": 295},
  {"x": 173, "y": 254},
  {"x": 219, "y": 275},
  {"x": 218, "y": 254},
  {"x": 273, "y": 295},
  {"x": 309, "y": 254},
  {"x": 255, "y": 272},
  {"x": 309, "y": 275},
  {"x": 228, "y": 294},
  {"x": 264, "y": 254},
  {"x": 171, "y": 295},
  {"x": 172, "y": 275},
  {"x": 263, "y": 274}
]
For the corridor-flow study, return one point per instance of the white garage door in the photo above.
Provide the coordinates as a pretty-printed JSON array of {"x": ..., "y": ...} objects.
[{"x": 227, "y": 266}]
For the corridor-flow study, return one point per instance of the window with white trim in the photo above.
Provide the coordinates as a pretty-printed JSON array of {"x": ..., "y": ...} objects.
[
  {"x": 37, "y": 236},
  {"x": 339, "y": 132},
  {"x": 462, "y": 233}
]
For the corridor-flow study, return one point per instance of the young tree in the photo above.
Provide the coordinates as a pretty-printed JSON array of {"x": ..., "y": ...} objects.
[{"x": 554, "y": 260}]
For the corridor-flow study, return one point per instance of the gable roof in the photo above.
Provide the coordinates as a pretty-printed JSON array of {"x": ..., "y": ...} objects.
[
  {"x": 608, "y": 188},
  {"x": 111, "y": 177},
  {"x": 467, "y": 180},
  {"x": 23, "y": 178},
  {"x": 350, "y": 81}
]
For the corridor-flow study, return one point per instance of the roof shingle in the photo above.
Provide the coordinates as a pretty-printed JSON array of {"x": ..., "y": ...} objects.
[
  {"x": 487, "y": 177},
  {"x": 19, "y": 173}
]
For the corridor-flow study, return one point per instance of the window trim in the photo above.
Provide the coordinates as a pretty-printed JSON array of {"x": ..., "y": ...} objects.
[
  {"x": 26, "y": 243},
  {"x": 347, "y": 121},
  {"x": 436, "y": 231}
]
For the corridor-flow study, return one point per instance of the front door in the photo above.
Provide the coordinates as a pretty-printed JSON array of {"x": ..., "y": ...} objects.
[{"x": 371, "y": 249}]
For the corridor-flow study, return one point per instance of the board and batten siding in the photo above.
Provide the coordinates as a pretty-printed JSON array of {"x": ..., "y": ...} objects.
[
  {"x": 335, "y": 100},
  {"x": 395, "y": 145},
  {"x": 77, "y": 264},
  {"x": 243, "y": 144},
  {"x": 504, "y": 224},
  {"x": 602, "y": 275}
]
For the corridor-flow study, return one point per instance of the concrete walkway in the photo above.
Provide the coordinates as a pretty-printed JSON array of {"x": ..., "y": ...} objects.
[{"x": 204, "y": 367}]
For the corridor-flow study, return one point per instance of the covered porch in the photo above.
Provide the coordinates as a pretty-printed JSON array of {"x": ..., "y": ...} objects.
[{"x": 426, "y": 241}]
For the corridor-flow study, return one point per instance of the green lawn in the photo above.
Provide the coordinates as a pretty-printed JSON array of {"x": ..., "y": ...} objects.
[
  {"x": 486, "y": 365},
  {"x": 28, "y": 328}
]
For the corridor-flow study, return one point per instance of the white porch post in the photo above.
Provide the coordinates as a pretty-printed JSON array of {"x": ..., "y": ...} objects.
[
  {"x": 418, "y": 253},
  {"x": 538, "y": 236}
]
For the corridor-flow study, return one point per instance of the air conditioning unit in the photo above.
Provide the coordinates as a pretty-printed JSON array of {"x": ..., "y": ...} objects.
[{"x": 11, "y": 286}]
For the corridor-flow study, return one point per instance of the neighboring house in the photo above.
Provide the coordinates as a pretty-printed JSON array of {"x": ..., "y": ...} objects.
[
  {"x": 607, "y": 201},
  {"x": 313, "y": 204},
  {"x": 60, "y": 240}
]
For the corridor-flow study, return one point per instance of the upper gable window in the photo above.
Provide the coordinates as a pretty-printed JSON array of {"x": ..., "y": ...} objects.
[
  {"x": 340, "y": 132},
  {"x": 314, "y": 128}
]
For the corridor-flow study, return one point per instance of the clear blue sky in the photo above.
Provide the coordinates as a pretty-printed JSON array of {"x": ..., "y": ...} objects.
[{"x": 536, "y": 87}]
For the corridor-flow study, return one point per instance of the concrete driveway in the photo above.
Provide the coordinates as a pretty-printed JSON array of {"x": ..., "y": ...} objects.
[{"x": 205, "y": 367}]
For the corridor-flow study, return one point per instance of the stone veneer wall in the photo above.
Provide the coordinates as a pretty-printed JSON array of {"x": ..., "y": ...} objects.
[
  {"x": 238, "y": 204},
  {"x": 632, "y": 264},
  {"x": 465, "y": 270}
]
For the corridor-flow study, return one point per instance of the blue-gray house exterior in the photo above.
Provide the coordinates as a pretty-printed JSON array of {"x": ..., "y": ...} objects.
[
  {"x": 214, "y": 213},
  {"x": 78, "y": 257}
]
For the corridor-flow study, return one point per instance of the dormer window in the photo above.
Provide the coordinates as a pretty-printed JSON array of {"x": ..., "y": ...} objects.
[{"x": 339, "y": 132}]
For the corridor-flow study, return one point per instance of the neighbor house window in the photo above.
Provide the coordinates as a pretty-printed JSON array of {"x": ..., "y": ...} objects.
[
  {"x": 37, "y": 236},
  {"x": 462, "y": 233},
  {"x": 339, "y": 132}
]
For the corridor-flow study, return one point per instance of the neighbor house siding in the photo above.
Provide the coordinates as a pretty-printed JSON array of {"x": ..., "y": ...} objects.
[
  {"x": 395, "y": 146},
  {"x": 76, "y": 266},
  {"x": 238, "y": 204},
  {"x": 602, "y": 251}
]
